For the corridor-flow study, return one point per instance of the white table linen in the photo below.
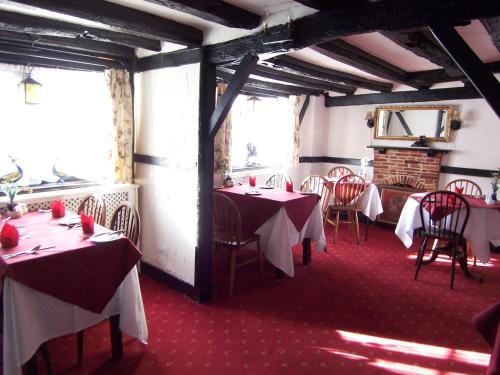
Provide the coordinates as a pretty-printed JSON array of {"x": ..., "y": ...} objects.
[
  {"x": 278, "y": 235},
  {"x": 483, "y": 226},
  {"x": 370, "y": 202},
  {"x": 32, "y": 318}
]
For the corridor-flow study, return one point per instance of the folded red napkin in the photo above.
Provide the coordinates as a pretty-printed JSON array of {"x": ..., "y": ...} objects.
[
  {"x": 289, "y": 185},
  {"x": 58, "y": 209},
  {"x": 87, "y": 223},
  {"x": 459, "y": 190},
  {"x": 251, "y": 180},
  {"x": 9, "y": 236}
]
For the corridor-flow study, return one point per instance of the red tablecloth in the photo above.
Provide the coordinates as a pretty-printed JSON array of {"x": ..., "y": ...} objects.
[
  {"x": 256, "y": 209},
  {"x": 487, "y": 323},
  {"x": 76, "y": 270}
]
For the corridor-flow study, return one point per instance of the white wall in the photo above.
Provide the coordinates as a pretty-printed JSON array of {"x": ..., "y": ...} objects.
[
  {"x": 343, "y": 133},
  {"x": 166, "y": 112}
]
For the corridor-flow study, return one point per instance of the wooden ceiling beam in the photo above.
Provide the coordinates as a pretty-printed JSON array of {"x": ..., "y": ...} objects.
[
  {"x": 423, "y": 44},
  {"x": 247, "y": 89},
  {"x": 348, "y": 54},
  {"x": 296, "y": 66},
  {"x": 482, "y": 79},
  {"x": 22, "y": 23},
  {"x": 258, "y": 94},
  {"x": 431, "y": 77},
  {"x": 492, "y": 25},
  {"x": 215, "y": 11},
  {"x": 124, "y": 18},
  {"x": 328, "y": 4},
  {"x": 42, "y": 62}
]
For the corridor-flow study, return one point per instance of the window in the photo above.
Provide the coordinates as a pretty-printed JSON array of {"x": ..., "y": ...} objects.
[
  {"x": 70, "y": 131},
  {"x": 262, "y": 132}
]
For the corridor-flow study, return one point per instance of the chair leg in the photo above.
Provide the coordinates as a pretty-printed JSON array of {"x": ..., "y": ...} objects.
[
  {"x": 261, "y": 259},
  {"x": 475, "y": 259},
  {"x": 79, "y": 348},
  {"x": 356, "y": 225},
  {"x": 420, "y": 255},
  {"x": 337, "y": 217},
  {"x": 232, "y": 270},
  {"x": 453, "y": 261},
  {"x": 366, "y": 228},
  {"x": 46, "y": 357}
]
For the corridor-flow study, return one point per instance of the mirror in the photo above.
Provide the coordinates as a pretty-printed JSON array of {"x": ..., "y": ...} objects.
[{"x": 410, "y": 122}]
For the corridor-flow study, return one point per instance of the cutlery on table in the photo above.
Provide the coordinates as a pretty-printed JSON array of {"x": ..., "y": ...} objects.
[{"x": 30, "y": 251}]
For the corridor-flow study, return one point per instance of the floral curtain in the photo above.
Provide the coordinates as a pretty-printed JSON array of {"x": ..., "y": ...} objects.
[
  {"x": 295, "y": 111},
  {"x": 222, "y": 142},
  {"x": 118, "y": 82}
]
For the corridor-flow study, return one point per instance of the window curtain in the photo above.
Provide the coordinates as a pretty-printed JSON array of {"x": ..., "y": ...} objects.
[
  {"x": 295, "y": 111},
  {"x": 118, "y": 82},
  {"x": 222, "y": 142}
]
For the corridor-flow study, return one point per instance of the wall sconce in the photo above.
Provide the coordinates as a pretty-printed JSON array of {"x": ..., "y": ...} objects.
[
  {"x": 455, "y": 120},
  {"x": 32, "y": 89},
  {"x": 370, "y": 121}
]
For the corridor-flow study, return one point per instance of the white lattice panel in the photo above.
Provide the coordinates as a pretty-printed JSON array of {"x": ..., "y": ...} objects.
[{"x": 260, "y": 178}]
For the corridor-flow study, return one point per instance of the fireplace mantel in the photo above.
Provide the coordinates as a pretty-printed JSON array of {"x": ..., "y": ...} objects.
[{"x": 428, "y": 150}]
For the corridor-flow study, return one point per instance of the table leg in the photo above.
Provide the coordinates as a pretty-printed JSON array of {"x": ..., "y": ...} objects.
[
  {"x": 306, "y": 251},
  {"x": 462, "y": 260},
  {"x": 116, "y": 337},
  {"x": 279, "y": 273},
  {"x": 30, "y": 367}
]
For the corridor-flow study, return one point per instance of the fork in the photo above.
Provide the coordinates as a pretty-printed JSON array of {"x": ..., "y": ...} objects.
[{"x": 34, "y": 250}]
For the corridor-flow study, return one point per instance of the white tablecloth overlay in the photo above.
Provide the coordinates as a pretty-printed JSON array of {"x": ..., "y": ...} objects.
[
  {"x": 483, "y": 226},
  {"x": 32, "y": 318},
  {"x": 278, "y": 235},
  {"x": 370, "y": 202}
]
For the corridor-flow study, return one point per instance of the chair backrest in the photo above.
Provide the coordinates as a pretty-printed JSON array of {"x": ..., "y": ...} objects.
[
  {"x": 226, "y": 220},
  {"x": 339, "y": 172},
  {"x": 319, "y": 185},
  {"x": 469, "y": 187},
  {"x": 347, "y": 189},
  {"x": 126, "y": 218},
  {"x": 444, "y": 215},
  {"x": 94, "y": 205},
  {"x": 278, "y": 180}
]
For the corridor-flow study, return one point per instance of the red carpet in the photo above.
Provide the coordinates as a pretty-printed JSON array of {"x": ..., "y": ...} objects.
[{"x": 354, "y": 310}]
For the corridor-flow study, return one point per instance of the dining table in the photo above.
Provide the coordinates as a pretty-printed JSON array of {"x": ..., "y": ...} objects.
[
  {"x": 483, "y": 225},
  {"x": 282, "y": 219},
  {"x": 76, "y": 282}
]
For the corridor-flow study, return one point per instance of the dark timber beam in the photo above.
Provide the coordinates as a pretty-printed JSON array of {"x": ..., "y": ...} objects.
[
  {"x": 169, "y": 59},
  {"x": 423, "y": 44},
  {"x": 328, "y": 4},
  {"x": 259, "y": 95},
  {"x": 226, "y": 75},
  {"x": 79, "y": 44},
  {"x": 203, "y": 253},
  {"x": 247, "y": 89},
  {"x": 403, "y": 97},
  {"x": 357, "y": 18},
  {"x": 264, "y": 71},
  {"x": 404, "y": 123},
  {"x": 303, "y": 109},
  {"x": 124, "y": 18},
  {"x": 492, "y": 25},
  {"x": 296, "y": 66},
  {"x": 348, "y": 54},
  {"x": 232, "y": 90},
  {"x": 43, "y": 62},
  {"x": 215, "y": 11},
  {"x": 22, "y": 23},
  {"x": 431, "y": 77},
  {"x": 482, "y": 79}
]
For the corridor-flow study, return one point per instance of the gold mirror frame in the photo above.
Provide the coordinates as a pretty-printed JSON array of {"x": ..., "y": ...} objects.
[{"x": 448, "y": 111}]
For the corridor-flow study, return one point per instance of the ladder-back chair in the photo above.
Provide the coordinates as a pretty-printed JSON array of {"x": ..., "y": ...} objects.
[
  {"x": 93, "y": 205},
  {"x": 339, "y": 172}
]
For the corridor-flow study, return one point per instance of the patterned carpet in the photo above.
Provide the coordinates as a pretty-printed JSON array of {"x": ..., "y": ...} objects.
[{"x": 355, "y": 310}]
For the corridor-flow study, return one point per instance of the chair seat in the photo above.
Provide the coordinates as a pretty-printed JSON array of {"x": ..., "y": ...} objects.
[{"x": 243, "y": 242}]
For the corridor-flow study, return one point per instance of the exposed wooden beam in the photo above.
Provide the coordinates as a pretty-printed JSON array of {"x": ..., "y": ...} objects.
[
  {"x": 43, "y": 62},
  {"x": 347, "y": 53},
  {"x": 169, "y": 59},
  {"x": 215, "y": 11},
  {"x": 403, "y": 97},
  {"x": 232, "y": 90},
  {"x": 226, "y": 75},
  {"x": 354, "y": 19},
  {"x": 79, "y": 44},
  {"x": 296, "y": 66},
  {"x": 22, "y": 23},
  {"x": 124, "y": 18},
  {"x": 264, "y": 71},
  {"x": 403, "y": 123},
  {"x": 482, "y": 79},
  {"x": 431, "y": 77},
  {"x": 492, "y": 25},
  {"x": 423, "y": 44},
  {"x": 253, "y": 93},
  {"x": 303, "y": 109},
  {"x": 250, "y": 90}
]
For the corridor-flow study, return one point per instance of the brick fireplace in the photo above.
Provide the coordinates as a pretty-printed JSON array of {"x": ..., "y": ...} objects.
[{"x": 401, "y": 172}]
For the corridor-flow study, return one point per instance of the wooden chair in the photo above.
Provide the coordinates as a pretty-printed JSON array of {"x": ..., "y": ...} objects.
[
  {"x": 227, "y": 235},
  {"x": 339, "y": 172},
  {"x": 278, "y": 180},
  {"x": 345, "y": 200},
  {"x": 444, "y": 216},
  {"x": 469, "y": 187},
  {"x": 94, "y": 205},
  {"x": 321, "y": 186}
]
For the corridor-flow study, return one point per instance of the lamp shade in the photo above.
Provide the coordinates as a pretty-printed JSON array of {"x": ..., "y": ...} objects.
[{"x": 32, "y": 90}]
